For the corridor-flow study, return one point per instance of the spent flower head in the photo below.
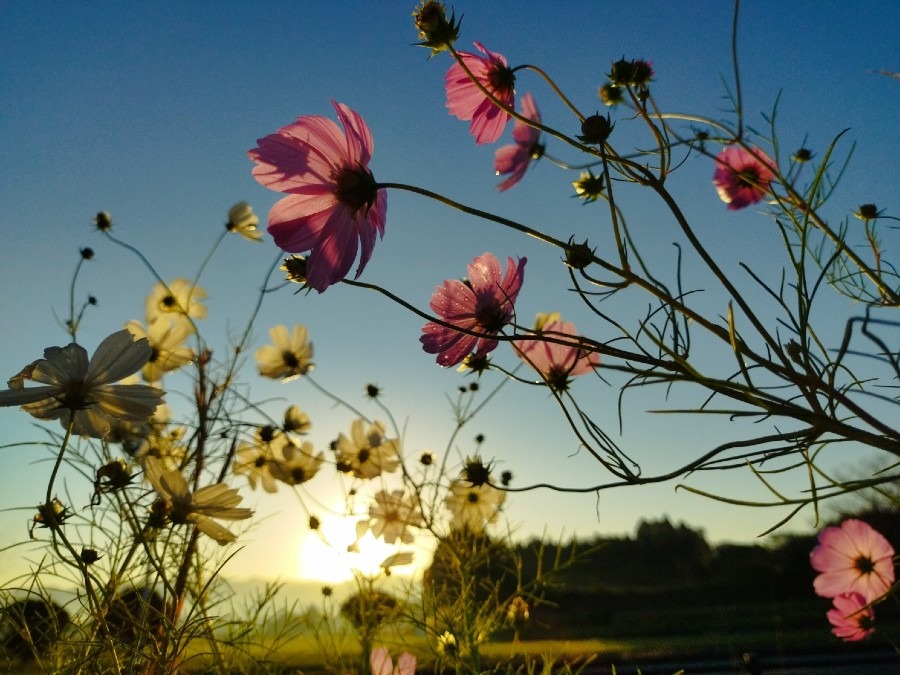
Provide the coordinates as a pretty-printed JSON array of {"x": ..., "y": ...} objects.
[
  {"x": 436, "y": 31},
  {"x": 85, "y": 392},
  {"x": 588, "y": 186}
]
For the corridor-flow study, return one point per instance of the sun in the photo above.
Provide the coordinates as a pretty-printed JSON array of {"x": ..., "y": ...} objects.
[{"x": 323, "y": 556}]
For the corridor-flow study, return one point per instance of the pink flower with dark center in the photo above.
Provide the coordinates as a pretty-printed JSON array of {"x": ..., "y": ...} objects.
[
  {"x": 484, "y": 303},
  {"x": 334, "y": 207},
  {"x": 467, "y": 102},
  {"x": 852, "y": 558},
  {"x": 742, "y": 177},
  {"x": 514, "y": 159},
  {"x": 556, "y": 362},
  {"x": 849, "y": 620}
]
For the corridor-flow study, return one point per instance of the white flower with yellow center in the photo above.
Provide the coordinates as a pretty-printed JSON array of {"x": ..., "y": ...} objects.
[
  {"x": 168, "y": 351},
  {"x": 289, "y": 355},
  {"x": 179, "y": 298},
  {"x": 367, "y": 453},
  {"x": 473, "y": 506},
  {"x": 74, "y": 386},
  {"x": 199, "y": 508}
]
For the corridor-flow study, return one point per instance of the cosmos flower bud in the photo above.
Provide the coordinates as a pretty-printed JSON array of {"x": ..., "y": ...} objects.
[
  {"x": 635, "y": 73},
  {"x": 103, "y": 221}
]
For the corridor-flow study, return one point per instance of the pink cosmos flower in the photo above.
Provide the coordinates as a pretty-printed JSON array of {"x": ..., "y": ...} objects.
[
  {"x": 514, "y": 159},
  {"x": 484, "y": 303},
  {"x": 852, "y": 558},
  {"x": 742, "y": 177},
  {"x": 467, "y": 102},
  {"x": 556, "y": 362},
  {"x": 849, "y": 620},
  {"x": 381, "y": 663},
  {"x": 333, "y": 208}
]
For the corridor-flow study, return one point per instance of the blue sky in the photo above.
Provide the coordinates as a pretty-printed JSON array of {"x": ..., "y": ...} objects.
[{"x": 146, "y": 110}]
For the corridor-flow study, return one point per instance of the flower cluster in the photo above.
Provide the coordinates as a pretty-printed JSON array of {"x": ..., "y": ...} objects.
[{"x": 856, "y": 569}]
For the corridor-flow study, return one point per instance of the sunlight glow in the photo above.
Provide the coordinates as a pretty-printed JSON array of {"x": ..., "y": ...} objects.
[{"x": 327, "y": 559}]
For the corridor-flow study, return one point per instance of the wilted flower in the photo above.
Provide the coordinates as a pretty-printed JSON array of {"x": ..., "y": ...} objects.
[
  {"x": 867, "y": 212},
  {"x": 242, "y": 220},
  {"x": 610, "y": 94},
  {"x": 296, "y": 464},
  {"x": 50, "y": 515},
  {"x": 198, "y": 508},
  {"x": 483, "y": 304},
  {"x": 852, "y": 558},
  {"x": 334, "y": 208},
  {"x": 289, "y": 355},
  {"x": 851, "y": 620},
  {"x": 473, "y": 506},
  {"x": 180, "y": 298},
  {"x": 447, "y": 644},
  {"x": 588, "y": 186},
  {"x": 367, "y": 453},
  {"x": 103, "y": 221},
  {"x": 595, "y": 130},
  {"x": 634, "y": 73},
  {"x": 436, "y": 31},
  {"x": 514, "y": 159},
  {"x": 556, "y": 362},
  {"x": 380, "y": 661},
  {"x": 166, "y": 336},
  {"x": 393, "y": 515},
  {"x": 83, "y": 391},
  {"x": 518, "y": 612},
  {"x": 742, "y": 176},
  {"x": 467, "y": 102}
]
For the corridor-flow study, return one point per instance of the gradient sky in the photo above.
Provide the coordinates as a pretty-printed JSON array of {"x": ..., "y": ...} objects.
[{"x": 147, "y": 109}]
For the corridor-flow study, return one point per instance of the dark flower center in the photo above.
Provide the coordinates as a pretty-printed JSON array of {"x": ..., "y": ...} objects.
[
  {"x": 260, "y": 462},
  {"x": 502, "y": 79},
  {"x": 356, "y": 188},
  {"x": 298, "y": 475},
  {"x": 168, "y": 301},
  {"x": 363, "y": 456},
  {"x": 748, "y": 177},
  {"x": 489, "y": 313},
  {"x": 290, "y": 359},
  {"x": 472, "y": 497},
  {"x": 864, "y": 564}
]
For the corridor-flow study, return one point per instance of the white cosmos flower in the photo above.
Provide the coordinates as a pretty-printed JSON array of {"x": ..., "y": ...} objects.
[
  {"x": 168, "y": 351},
  {"x": 393, "y": 515},
  {"x": 179, "y": 299},
  {"x": 200, "y": 507},
  {"x": 367, "y": 453},
  {"x": 296, "y": 464},
  {"x": 289, "y": 355},
  {"x": 72, "y": 385},
  {"x": 473, "y": 506}
]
